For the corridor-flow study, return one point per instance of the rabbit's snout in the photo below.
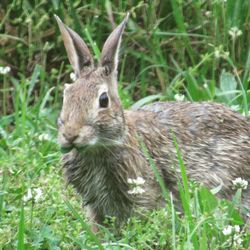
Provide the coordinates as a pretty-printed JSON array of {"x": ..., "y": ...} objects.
[
  {"x": 70, "y": 137},
  {"x": 78, "y": 137}
]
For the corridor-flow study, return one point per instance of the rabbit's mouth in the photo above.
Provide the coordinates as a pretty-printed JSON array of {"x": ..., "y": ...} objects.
[{"x": 66, "y": 150}]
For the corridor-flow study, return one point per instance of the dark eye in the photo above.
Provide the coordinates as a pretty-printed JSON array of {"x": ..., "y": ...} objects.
[{"x": 104, "y": 100}]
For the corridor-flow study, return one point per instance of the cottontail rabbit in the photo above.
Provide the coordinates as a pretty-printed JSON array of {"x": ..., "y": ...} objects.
[{"x": 103, "y": 140}]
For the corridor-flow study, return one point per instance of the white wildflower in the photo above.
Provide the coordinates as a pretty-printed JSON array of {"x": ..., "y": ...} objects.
[
  {"x": 28, "y": 19},
  {"x": 35, "y": 194},
  {"x": 136, "y": 185},
  {"x": 130, "y": 181},
  {"x": 138, "y": 181},
  {"x": 217, "y": 53},
  {"x": 4, "y": 70},
  {"x": 179, "y": 97},
  {"x": 208, "y": 14},
  {"x": 72, "y": 76},
  {"x": 235, "y": 32},
  {"x": 234, "y": 231},
  {"x": 237, "y": 240},
  {"x": 220, "y": 53},
  {"x": 205, "y": 85},
  {"x": 237, "y": 228},
  {"x": 227, "y": 230},
  {"x": 28, "y": 196},
  {"x": 38, "y": 195},
  {"x": 44, "y": 137},
  {"x": 240, "y": 183},
  {"x": 136, "y": 190}
]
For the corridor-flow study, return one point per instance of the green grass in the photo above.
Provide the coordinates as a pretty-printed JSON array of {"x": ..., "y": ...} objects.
[{"x": 169, "y": 48}]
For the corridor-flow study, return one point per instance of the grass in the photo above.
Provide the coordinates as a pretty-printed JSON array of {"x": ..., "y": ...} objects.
[{"x": 171, "y": 49}]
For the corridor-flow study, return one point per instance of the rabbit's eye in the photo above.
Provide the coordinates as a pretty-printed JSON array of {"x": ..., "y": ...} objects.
[{"x": 104, "y": 100}]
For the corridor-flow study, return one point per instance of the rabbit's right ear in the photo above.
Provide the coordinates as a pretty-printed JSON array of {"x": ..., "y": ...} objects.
[
  {"x": 77, "y": 50},
  {"x": 109, "y": 56}
]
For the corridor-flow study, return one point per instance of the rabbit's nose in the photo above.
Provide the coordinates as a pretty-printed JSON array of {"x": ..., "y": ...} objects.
[{"x": 70, "y": 137}]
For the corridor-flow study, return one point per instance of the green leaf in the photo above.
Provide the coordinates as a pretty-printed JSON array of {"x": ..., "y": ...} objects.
[
  {"x": 217, "y": 189},
  {"x": 228, "y": 85},
  {"x": 145, "y": 100},
  {"x": 207, "y": 200}
]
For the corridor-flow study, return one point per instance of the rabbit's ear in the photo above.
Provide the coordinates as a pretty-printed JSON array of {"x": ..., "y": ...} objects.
[
  {"x": 77, "y": 51},
  {"x": 109, "y": 56}
]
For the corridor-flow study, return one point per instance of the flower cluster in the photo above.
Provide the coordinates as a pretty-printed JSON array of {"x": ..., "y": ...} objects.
[
  {"x": 240, "y": 183},
  {"x": 136, "y": 185},
  {"x": 138, "y": 181},
  {"x": 220, "y": 53},
  {"x": 179, "y": 97},
  {"x": 228, "y": 230},
  {"x": 72, "y": 76},
  {"x": 4, "y": 70},
  {"x": 44, "y": 137},
  {"x": 235, "y": 32},
  {"x": 234, "y": 233},
  {"x": 35, "y": 194}
]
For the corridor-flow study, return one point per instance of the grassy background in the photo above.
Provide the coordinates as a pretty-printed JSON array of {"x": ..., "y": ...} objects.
[{"x": 171, "y": 50}]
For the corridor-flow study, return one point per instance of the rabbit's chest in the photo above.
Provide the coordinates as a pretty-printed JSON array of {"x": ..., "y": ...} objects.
[{"x": 100, "y": 180}]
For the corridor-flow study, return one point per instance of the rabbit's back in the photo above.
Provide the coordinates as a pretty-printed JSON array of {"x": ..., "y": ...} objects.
[
  {"x": 214, "y": 143},
  {"x": 200, "y": 119}
]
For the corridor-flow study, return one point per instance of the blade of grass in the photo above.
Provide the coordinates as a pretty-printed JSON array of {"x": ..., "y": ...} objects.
[
  {"x": 246, "y": 71},
  {"x": 173, "y": 223},
  {"x": 3, "y": 190},
  {"x": 93, "y": 44},
  {"x": 20, "y": 237},
  {"x": 33, "y": 80},
  {"x": 154, "y": 168},
  {"x": 185, "y": 194},
  {"x": 244, "y": 93},
  {"x": 183, "y": 169},
  {"x": 179, "y": 18}
]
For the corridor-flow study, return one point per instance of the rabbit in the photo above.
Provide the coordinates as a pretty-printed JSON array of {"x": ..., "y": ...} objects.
[{"x": 102, "y": 142}]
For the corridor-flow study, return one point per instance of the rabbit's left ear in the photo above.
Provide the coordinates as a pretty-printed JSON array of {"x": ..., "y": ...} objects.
[
  {"x": 109, "y": 56},
  {"x": 78, "y": 53}
]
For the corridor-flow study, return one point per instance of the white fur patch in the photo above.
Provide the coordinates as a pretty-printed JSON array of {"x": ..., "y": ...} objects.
[
  {"x": 93, "y": 141},
  {"x": 103, "y": 88}
]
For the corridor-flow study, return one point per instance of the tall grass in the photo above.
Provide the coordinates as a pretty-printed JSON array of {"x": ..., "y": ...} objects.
[{"x": 171, "y": 49}]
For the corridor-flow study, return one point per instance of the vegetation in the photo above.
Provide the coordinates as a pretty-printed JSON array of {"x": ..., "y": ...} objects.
[{"x": 185, "y": 50}]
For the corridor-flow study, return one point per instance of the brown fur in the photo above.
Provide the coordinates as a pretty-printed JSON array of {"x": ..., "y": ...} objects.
[{"x": 105, "y": 149}]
